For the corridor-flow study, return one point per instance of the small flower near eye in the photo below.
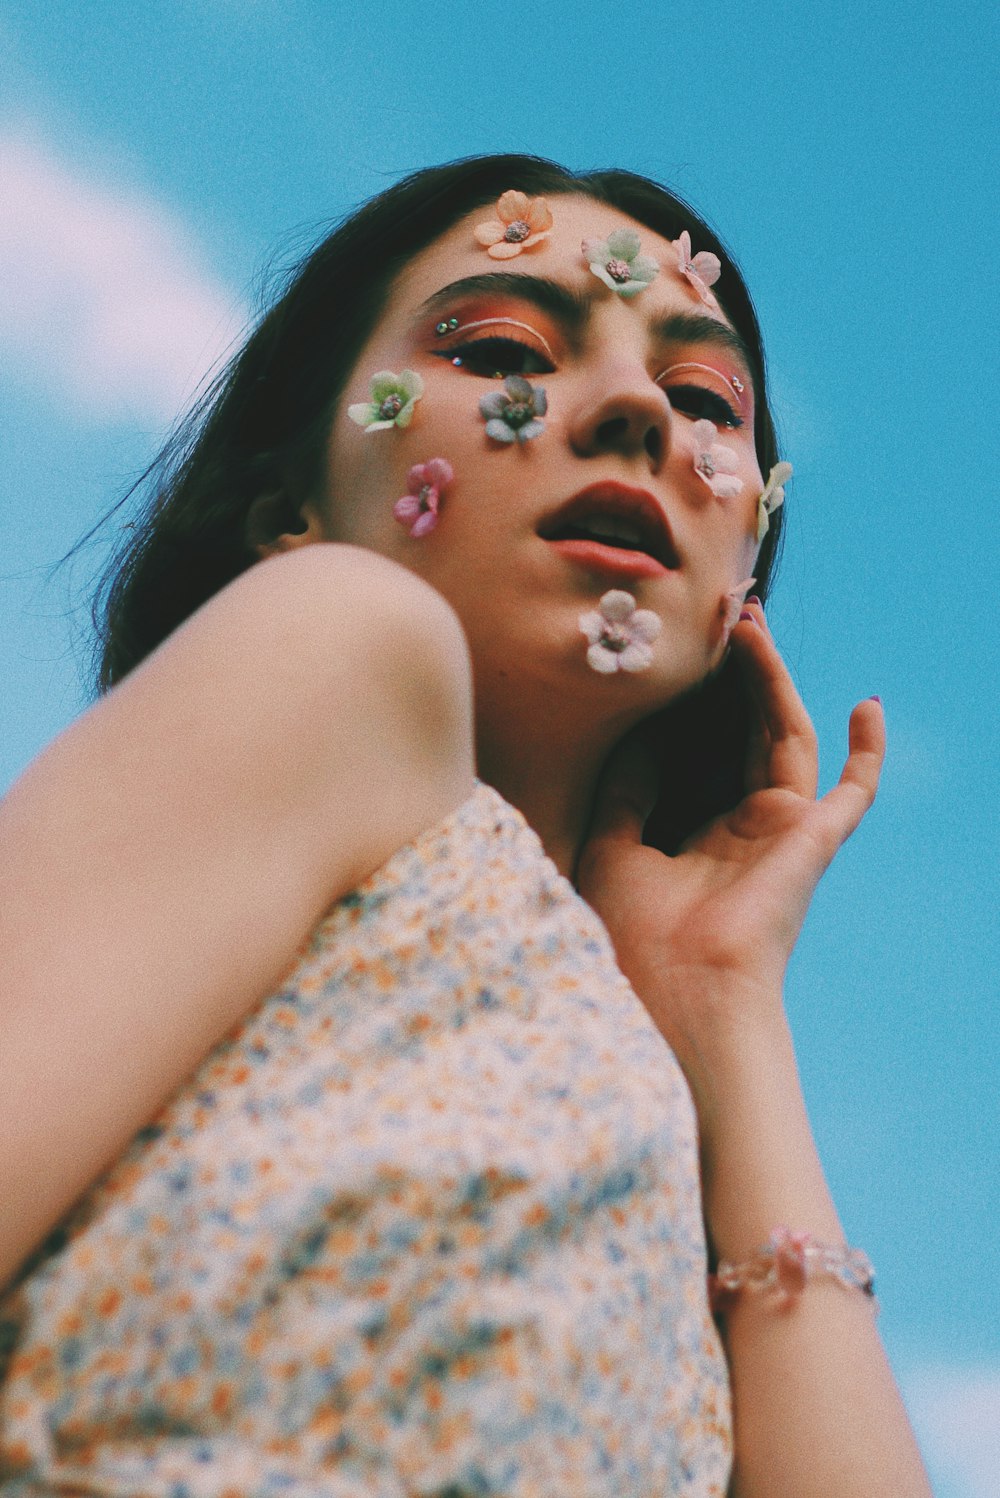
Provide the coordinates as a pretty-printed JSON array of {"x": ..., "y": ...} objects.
[
  {"x": 619, "y": 634},
  {"x": 713, "y": 463},
  {"x": 418, "y": 508},
  {"x": 616, "y": 261},
  {"x": 513, "y": 414},
  {"x": 732, "y": 606},
  {"x": 701, "y": 270},
  {"x": 392, "y": 402},
  {"x": 520, "y": 223},
  {"x": 772, "y": 497}
]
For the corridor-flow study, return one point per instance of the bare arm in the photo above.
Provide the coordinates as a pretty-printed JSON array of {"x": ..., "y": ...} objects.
[
  {"x": 705, "y": 938},
  {"x": 162, "y": 861}
]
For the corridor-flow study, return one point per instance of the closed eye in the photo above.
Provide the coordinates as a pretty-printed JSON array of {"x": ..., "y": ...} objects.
[{"x": 703, "y": 404}]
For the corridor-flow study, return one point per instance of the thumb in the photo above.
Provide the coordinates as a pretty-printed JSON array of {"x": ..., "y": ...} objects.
[{"x": 626, "y": 793}]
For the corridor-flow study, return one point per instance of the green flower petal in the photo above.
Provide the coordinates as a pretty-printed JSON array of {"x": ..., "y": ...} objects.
[{"x": 623, "y": 244}]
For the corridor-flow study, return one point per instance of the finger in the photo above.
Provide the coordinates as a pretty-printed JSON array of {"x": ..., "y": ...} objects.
[
  {"x": 626, "y": 793},
  {"x": 758, "y": 754},
  {"x": 793, "y": 760},
  {"x": 850, "y": 798}
]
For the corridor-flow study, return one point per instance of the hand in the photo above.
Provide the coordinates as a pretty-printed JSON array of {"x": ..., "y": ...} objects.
[{"x": 704, "y": 937}]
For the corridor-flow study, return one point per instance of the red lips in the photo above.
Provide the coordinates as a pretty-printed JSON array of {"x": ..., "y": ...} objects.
[{"x": 637, "y": 542}]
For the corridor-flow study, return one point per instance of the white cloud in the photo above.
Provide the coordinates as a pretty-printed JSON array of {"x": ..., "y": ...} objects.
[
  {"x": 101, "y": 294},
  {"x": 956, "y": 1415}
]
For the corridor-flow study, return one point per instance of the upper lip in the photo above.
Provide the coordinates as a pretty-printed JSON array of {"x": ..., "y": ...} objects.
[{"x": 623, "y": 502}]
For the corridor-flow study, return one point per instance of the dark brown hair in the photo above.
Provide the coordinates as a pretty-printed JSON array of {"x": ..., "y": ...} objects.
[{"x": 263, "y": 425}]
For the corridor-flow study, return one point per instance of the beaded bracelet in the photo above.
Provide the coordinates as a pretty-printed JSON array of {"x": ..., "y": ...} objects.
[{"x": 785, "y": 1263}]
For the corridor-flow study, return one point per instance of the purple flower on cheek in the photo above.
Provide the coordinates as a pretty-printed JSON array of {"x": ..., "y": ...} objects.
[
  {"x": 512, "y": 415},
  {"x": 418, "y": 508},
  {"x": 713, "y": 463}
]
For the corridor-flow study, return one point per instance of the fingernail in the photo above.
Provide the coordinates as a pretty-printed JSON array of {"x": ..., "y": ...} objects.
[
  {"x": 875, "y": 698},
  {"x": 746, "y": 614},
  {"x": 754, "y": 599}
]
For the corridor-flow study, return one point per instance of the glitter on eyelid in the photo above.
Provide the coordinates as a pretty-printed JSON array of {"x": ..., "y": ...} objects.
[{"x": 505, "y": 322}]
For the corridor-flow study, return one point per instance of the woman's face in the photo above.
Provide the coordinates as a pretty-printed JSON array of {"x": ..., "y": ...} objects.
[{"x": 516, "y": 548}]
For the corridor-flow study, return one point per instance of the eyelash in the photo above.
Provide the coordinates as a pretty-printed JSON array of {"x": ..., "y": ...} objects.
[
  {"x": 495, "y": 356},
  {"x": 701, "y": 403}
]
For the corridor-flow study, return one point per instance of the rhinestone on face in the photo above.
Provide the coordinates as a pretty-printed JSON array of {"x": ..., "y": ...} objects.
[
  {"x": 390, "y": 407},
  {"x": 516, "y": 232},
  {"x": 737, "y": 384},
  {"x": 619, "y": 270},
  {"x": 457, "y": 362}
]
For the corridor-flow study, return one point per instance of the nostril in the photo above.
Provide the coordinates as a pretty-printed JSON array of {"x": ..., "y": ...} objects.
[
  {"x": 653, "y": 443},
  {"x": 613, "y": 432}
]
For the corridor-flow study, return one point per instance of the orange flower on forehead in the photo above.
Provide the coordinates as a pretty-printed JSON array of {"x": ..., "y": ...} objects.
[{"x": 520, "y": 223}]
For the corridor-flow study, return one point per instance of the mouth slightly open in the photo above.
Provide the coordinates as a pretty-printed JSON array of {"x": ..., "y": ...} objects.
[{"x": 613, "y": 528}]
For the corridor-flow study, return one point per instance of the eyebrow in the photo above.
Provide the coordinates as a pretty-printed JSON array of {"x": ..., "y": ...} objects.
[{"x": 573, "y": 309}]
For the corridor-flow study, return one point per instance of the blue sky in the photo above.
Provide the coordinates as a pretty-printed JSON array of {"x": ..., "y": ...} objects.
[{"x": 154, "y": 157}]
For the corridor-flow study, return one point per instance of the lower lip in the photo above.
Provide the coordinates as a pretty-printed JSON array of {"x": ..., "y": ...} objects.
[{"x": 613, "y": 560}]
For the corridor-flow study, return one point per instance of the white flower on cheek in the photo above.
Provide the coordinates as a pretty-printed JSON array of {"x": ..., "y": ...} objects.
[
  {"x": 619, "y": 634},
  {"x": 714, "y": 463}
]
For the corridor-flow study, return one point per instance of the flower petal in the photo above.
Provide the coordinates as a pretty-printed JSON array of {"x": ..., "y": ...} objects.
[
  {"x": 407, "y": 509},
  {"x": 708, "y": 267},
  {"x": 541, "y": 401},
  {"x": 704, "y": 434},
  {"x": 624, "y": 244},
  {"x": 405, "y": 416},
  {"x": 644, "y": 625},
  {"x": 529, "y": 430},
  {"x": 489, "y": 233},
  {"x": 602, "y": 275},
  {"x": 616, "y": 605},
  {"x": 512, "y": 205},
  {"x": 645, "y": 268},
  {"x": 605, "y": 661},
  {"x": 539, "y": 215},
  {"x": 439, "y": 473},
  {"x": 518, "y": 388},
  {"x": 500, "y": 431},
  {"x": 635, "y": 657},
  {"x": 596, "y": 251},
  {"x": 426, "y": 523},
  {"x": 494, "y": 404},
  {"x": 725, "y": 485},
  {"x": 534, "y": 239},
  {"x": 682, "y": 244},
  {"x": 411, "y": 383},
  {"x": 363, "y": 413},
  {"x": 505, "y": 251},
  {"x": 592, "y": 624},
  {"x": 384, "y": 384}
]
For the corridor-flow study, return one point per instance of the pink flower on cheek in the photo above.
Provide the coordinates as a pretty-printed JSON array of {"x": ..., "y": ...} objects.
[
  {"x": 701, "y": 270},
  {"x": 713, "y": 463},
  {"x": 418, "y": 509}
]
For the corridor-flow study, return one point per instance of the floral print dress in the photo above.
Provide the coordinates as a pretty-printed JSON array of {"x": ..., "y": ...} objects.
[{"x": 427, "y": 1225}]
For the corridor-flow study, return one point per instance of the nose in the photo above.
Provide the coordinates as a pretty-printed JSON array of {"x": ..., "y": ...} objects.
[{"x": 624, "y": 412}]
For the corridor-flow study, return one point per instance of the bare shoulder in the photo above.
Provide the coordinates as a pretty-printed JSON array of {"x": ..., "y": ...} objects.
[{"x": 163, "y": 860}]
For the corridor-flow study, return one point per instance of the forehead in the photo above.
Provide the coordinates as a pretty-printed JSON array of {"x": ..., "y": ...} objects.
[{"x": 575, "y": 218}]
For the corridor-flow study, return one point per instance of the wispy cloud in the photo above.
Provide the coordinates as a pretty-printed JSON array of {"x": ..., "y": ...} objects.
[
  {"x": 102, "y": 296},
  {"x": 956, "y": 1414}
]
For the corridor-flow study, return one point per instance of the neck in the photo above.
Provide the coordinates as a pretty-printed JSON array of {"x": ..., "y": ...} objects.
[{"x": 556, "y": 803}]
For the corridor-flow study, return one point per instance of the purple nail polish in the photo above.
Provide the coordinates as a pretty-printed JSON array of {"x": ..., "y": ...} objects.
[
  {"x": 746, "y": 614},
  {"x": 754, "y": 599}
]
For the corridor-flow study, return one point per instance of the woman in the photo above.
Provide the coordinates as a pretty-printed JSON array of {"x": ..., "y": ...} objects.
[{"x": 415, "y": 1202}]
